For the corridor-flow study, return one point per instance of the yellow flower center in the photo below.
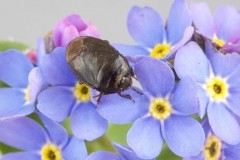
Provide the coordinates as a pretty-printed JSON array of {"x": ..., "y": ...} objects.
[
  {"x": 82, "y": 92},
  {"x": 51, "y": 152},
  {"x": 27, "y": 97},
  {"x": 160, "y": 108},
  {"x": 217, "y": 89},
  {"x": 219, "y": 42},
  {"x": 160, "y": 51},
  {"x": 212, "y": 148}
]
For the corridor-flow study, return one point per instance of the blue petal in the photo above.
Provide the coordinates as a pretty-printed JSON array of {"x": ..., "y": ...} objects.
[
  {"x": 132, "y": 53},
  {"x": 134, "y": 60},
  {"x": 104, "y": 155},
  {"x": 56, "y": 103},
  {"x": 231, "y": 152},
  {"x": 198, "y": 157},
  {"x": 220, "y": 63},
  {"x": 25, "y": 110},
  {"x": 22, "y": 133},
  {"x": 57, "y": 133},
  {"x": 184, "y": 135},
  {"x": 40, "y": 51},
  {"x": 191, "y": 61},
  {"x": 184, "y": 98},
  {"x": 145, "y": 26},
  {"x": 21, "y": 156},
  {"x": 55, "y": 68},
  {"x": 145, "y": 138},
  {"x": 203, "y": 101},
  {"x": 86, "y": 123},
  {"x": 223, "y": 123},
  {"x": 206, "y": 127},
  {"x": 130, "y": 50},
  {"x": 121, "y": 110},
  {"x": 178, "y": 20},
  {"x": 227, "y": 20},
  {"x": 233, "y": 80},
  {"x": 37, "y": 83},
  {"x": 204, "y": 21},
  {"x": 188, "y": 33},
  {"x": 75, "y": 149},
  {"x": 12, "y": 103},
  {"x": 233, "y": 103},
  {"x": 209, "y": 49},
  {"x": 14, "y": 68},
  {"x": 125, "y": 152},
  {"x": 155, "y": 76}
]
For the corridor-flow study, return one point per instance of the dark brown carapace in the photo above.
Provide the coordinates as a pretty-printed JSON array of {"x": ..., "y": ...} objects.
[{"x": 96, "y": 63}]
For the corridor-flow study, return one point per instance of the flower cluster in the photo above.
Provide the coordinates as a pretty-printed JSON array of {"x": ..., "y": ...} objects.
[{"x": 188, "y": 95}]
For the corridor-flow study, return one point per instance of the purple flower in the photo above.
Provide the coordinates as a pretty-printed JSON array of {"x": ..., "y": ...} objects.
[
  {"x": 218, "y": 87},
  {"x": 38, "y": 143},
  {"x": 32, "y": 55},
  {"x": 124, "y": 153},
  {"x": 71, "y": 27},
  {"x": 222, "y": 28},
  {"x": 162, "y": 113},
  {"x": 67, "y": 97},
  {"x": 146, "y": 27},
  {"x": 214, "y": 148},
  {"x": 14, "y": 70}
]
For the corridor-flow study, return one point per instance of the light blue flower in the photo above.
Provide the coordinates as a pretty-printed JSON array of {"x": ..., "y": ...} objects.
[
  {"x": 162, "y": 113},
  {"x": 222, "y": 28},
  {"x": 67, "y": 97},
  {"x": 147, "y": 28},
  {"x": 217, "y": 76},
  {"x": 38, "y": 143},
  {"x": 14, "y": 70},
  {"x": 214, "y": 148}
]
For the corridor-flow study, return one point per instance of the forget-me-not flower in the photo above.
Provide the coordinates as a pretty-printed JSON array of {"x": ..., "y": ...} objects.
[
  {"x": 214, "y": 148},
  {"x": 14, "y": 71},
  {"x": 67, "y": 97},
  {"x": 162, "y": 113},
  {"x": 217, "y": 76},
  {"x": 155, "y": 39},
  {"x": 50, "y": 142},
  {"x": 222, "y": 28}
]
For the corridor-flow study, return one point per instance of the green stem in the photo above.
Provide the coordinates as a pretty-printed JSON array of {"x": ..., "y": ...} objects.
[
  {"x": 5, "y": 45},
  {"x": 102, "y": 143}
]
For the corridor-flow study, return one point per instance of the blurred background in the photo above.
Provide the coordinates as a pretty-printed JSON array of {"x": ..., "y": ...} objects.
[{"x": 27, "y": 20}]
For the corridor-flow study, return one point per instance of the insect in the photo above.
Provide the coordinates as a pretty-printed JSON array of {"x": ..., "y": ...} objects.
[{"x": 99, "y": 65}]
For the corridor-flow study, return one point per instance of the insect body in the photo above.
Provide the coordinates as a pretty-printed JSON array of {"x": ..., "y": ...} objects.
[{"x": 96, "y": 63}]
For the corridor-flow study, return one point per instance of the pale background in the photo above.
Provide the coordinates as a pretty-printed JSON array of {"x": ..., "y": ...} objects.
[{"x": 26, "y": 20}]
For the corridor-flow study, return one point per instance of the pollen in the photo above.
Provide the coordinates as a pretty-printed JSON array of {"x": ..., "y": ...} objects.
[
  {"x": 51, "y": 152},
  {"x": 217, "y": 89},
  {"x": 219, "y": 42},
  {"x": 160, "y": 108},
  {"x": 160, "y": 51},
  {"x": 212, "y": 148},
  {"x": 27, "y": 97},
  {"x": 82, "y": 92}
]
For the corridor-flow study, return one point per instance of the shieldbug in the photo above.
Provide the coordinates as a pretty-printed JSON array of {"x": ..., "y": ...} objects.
[{"x": 99, "y": 65}]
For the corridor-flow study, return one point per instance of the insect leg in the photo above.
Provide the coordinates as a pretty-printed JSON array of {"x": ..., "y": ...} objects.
[
  {"x": 98, "y": 97},
  {"x": 137, "y": 91},
  {"x": 135, "y": 78},
  {"x": 125, "y": 96}
]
